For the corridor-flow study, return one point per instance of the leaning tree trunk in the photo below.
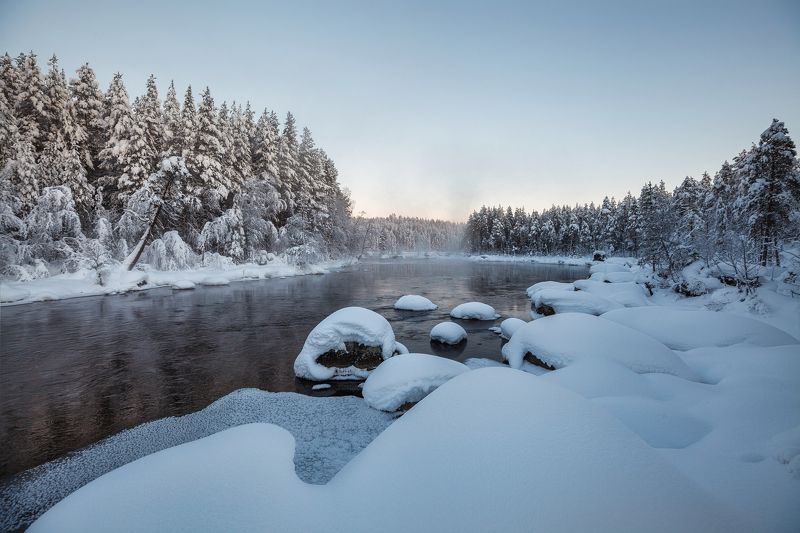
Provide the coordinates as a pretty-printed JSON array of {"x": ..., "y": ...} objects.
[{"x": 136, "y": 253}]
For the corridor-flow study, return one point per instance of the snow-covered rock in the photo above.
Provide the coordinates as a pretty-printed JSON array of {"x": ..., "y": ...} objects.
[
  {"x": 215, "y": 281},
  {"x": 551, "y": 301},
  {"x": 509, "y": 326},
  {"x": 448, "y": 333},
  {"x": 685, "y": 329},
  {"x": 560, "y": 340},
  {"x": 414, "y": 302},
  {"x": 407, "y": 378},
  {"x": 627, "y": 294},
  {"x": 474, "y": 311},
  {"x": 183, "y": 284},
  {"x": 349, "y": 325},
  {"x": 488, "y": 452},
  {"x": 555, "y": 285},
  {"x": 613, "y": 277},
  {"x": 607, "y": 267}
]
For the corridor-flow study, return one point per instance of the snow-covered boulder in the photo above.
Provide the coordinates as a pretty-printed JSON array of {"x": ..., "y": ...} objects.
[
  {"x": 509, "y": 326},
  {"x": 489, "y": 452},
  {"x": 474, "y": 311},
  {"x": 613, "y": 277},
  {"x": 627, "y": 294},
  {"x": 448, "y": 333},
  {"x": 607, "y": 267},
  {"x": 215, "y": 281},
  {"x": 405, "y": 379},
  {"x": 551, "y": 301},
  {"x": 348, "y": 344},
  {"x": 563, "y": 339},
  {"x": 555, "y": 285},
  {"x": 183, "y": 284},
  {"x": 414, "y": 302},
  {"x": 685, "y": 329}
]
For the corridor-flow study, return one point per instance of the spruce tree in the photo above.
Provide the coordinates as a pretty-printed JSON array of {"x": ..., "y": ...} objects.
[
  {"x": 31, "y": 101},
  {"x": 89, "y": 110},
  {"x": 173, "y": 129}
]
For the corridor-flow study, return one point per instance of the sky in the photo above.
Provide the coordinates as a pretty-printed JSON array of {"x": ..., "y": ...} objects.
[{"x": 433, "y": 109}]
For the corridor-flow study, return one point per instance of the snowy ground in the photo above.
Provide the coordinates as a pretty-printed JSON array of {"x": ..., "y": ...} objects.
[
  {"x": 655, "y": 419},
  {"x": 85, "y": 283}
]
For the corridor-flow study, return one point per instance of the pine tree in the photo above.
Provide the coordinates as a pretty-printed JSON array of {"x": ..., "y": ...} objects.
[
  {"x": 60, "y": 113},
  {"x": 174, "y": 141},
  {"x": 287, "y": 163},
  {"x": 207, "y": 155},
  {"x": 188, "y": 120},
  {"x": 770, "y": 190},
  {"x": 264, "y": 148},
  {"x": 89, "y": 111},
  {"x": 152, "y": 121},
  {"x": 60, "y": 165},
  {"x": 22, "y": 172},
  {"x": 31, "y": 101}
]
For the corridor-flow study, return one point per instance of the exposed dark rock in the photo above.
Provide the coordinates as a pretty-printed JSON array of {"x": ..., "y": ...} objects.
[
  {"x": 357, "y": 355},
  {"x": 545, "y": 310},
  {"x": 599, "y": 256},
  {"x": 690, "y": 289},
  {"x": 538, "y": 362}
]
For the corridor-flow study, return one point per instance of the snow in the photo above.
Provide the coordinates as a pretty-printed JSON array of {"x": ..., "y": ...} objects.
[
  {"x": 509, "y": 326},
  {"x": 243, "y": 478},
  {"x": 684, "y": 329},
  {"x": 183, "y": 284},
  {"x": 573, "y": 302},
  {"x": 351, "y": 324},
  {"x": 627, "y": 294},
  {"x": 408, "y": 378},
  {"x": 215, "y": 281},
  {"x": 84, "y": 282},
  {"x": 542, "y": 285},
  {"x": 413, "y": 302},
  {"x": 474, "y": 311},
  {"x": 448, "y": 333},
  {"x": 613, "y": 277},
  {"x": 563, "y": 339},
  {"x": 321, "y": 386},
  {"x": 607, "y": 267}
]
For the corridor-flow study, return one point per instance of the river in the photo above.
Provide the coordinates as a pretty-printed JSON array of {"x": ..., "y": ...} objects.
[{"x": 75, "y": 371}]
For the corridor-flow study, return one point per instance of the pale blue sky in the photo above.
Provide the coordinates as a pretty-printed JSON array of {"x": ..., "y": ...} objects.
[{"x": 434, "y": 108}]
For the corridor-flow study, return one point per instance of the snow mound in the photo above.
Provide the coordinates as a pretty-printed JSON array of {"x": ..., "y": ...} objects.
[
  {"x": 550, "y": 301},
  {"x": 474, "y": 311},
  {"x": 627, "y": 294},
  {"x": 408, "y": 378},
  {"x": 613, "y": 277},
  {"x": 448, "y": 333},
  {"x": 607, "y": 268},
  {"x": 413, "y": 302},
  {"x": 215, "y": 281},
  {"x": 12, "y": 294},
  {"x": 683, "y": 329},
  {"x": 509, "y": 326},
  {"x": 351, "y": 324},
  {"x": 542, "y": 285},
  {"x": 243, "y": 478},
  {"x": 600, "y": 378},
  {"x": 561, "y": 340},
  {"x": 474, "y": 363},
  {"x": 183, "y": 284}
]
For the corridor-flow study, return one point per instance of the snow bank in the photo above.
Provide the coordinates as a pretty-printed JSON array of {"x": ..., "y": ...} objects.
[
  {"x": 509, "y": 326},
  {"x": 407, "y": 378},
  {"x": 542, "y": 285},
  {"x": 10, "y": 294},
  {"x": 351, "y": 324},
  {"x": 563, "y": 339},
  {"x": 215, "y": 281},
  {"x": 474, "y": 311},
  {"x": 183, "y": 284},
  {"x": 607, "y": 267},
  {"x": 684, "y": 329},
  {"x": 413, "y": 302},
  {"x": 448, "y": 333},
  {"x": 496, "y": 451},
  {"x": 560, "y": 301},
  {"x": 627, "y": 294},
  {"x": 613, "y": 277}
]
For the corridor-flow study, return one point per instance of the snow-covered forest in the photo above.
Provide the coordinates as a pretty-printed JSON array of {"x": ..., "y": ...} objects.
[
  {"x": 85, "y": 173},
  {"x": 747, "y": 215},
  {"x": 394, "y": 234}
]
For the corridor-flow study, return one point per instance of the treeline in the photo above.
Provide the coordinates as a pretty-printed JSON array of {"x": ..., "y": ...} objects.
[
  {"x": 742, "y": 217},
  {"x": 394, "y": 234},
  {"x": 82, "y": 172}
]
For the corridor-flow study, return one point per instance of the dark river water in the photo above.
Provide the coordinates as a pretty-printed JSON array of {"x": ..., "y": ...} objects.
[{"x": 75, "y": 371}]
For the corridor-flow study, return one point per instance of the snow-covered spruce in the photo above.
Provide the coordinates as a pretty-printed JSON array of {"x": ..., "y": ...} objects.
[
  {"x": 551, "y": 301},
  {"x": 414, "y": 302},
  {"x": 348, "y": 344},
  {"x": 448, "y": 333},
  {"x": 474, "y": 311},
  {"x": 685, "y": 329},
  {"x": 563, "y": 339},
  {"x": 246, "y": 475},
  {"x": 405, "y": 379}
]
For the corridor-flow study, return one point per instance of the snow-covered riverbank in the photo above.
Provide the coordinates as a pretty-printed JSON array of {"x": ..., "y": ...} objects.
[
  {"x": 663, "y": 413},
  {"x": 118, "y": 281}
]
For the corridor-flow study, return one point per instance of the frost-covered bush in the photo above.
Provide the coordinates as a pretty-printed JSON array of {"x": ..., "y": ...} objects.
[
  {"x": 260, "y": 203},
  {"x": 216, "y": 261},
  {"x": 54, "y": 218},
  {"x": 170, "y": 253},
  {"x": 303, "y": 255},
  {"x": 136, "y": 217},
  {"x": 225, "y": 235}
]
